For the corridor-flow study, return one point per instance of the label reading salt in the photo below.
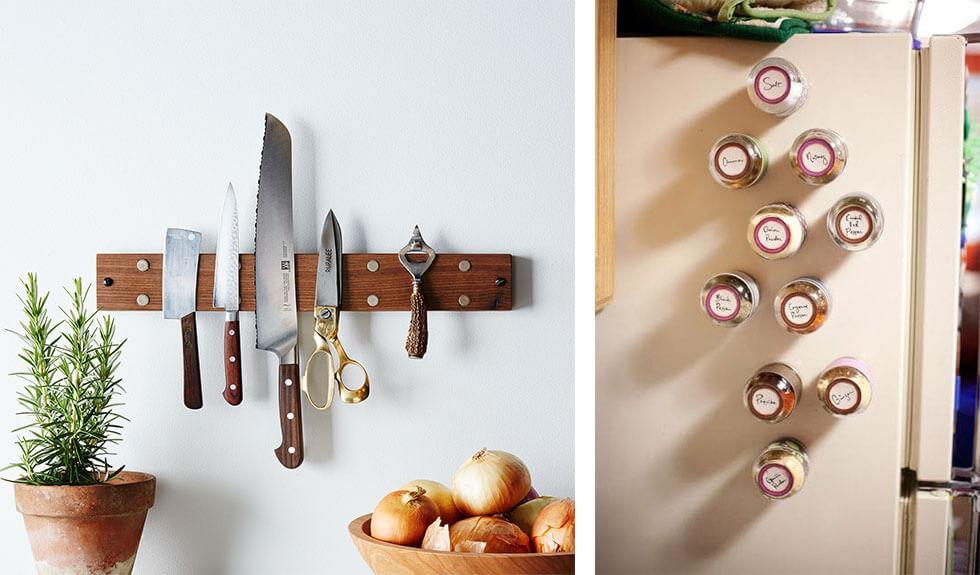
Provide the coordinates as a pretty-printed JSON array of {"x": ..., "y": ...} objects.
[
  {"x": 732, "y": 160},
  {"x": 844, "y": 395},
  {"x": 775, "y": 479},
  {"x": 765, "y": 401},
  {"x": 772, "y": 84},
  {"x": 723, "y": 303},
  {"x": 854, "y": 225},
  {"x": 816, "y": 157},
  {"x": 772, "y": 235},
  {"x": 798, "y": 310}
]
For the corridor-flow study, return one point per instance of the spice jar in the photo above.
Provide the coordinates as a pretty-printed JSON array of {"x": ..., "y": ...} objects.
[
  {"x": 818, "y": 156},
  {"x": 730, "y": 298},
  {"x": 737, "y": 161},
  {"x": 855, "y": 222},
  {"x": 772, "y": 393},
  {"x": 844, "y": 388},
  {"x": 802, "y": 305},
  {"x": 776, "y": 87},
  {"x": 777, "y": 231},
  {"x": 781, "y": 469}
]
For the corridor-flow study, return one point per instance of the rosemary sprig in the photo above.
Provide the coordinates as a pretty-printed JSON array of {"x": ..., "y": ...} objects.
[{"x": 69, "y": 388}]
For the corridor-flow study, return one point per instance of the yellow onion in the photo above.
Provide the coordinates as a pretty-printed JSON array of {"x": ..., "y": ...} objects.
[
  {"x": 490, "y": 482},
  {"x": 553, "y": 530},
  {"x": 524, "y": 514},
  {"x": 441, "y": 495},
  {"x": 437, "y": 537},
  {"x": 401, "y": 517},
  {"x": 488, "y": 535}
]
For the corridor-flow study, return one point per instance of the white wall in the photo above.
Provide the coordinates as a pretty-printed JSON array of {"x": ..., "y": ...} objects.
[{"x": 118, "y": 122}]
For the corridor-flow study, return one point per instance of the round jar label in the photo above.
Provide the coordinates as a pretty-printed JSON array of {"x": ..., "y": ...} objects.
[
  {"x": 772, "y": 84},
  {"x": 765, "y": 401},
  {"x": 816, "y": 157},
  {"x": 772, "y": 235},
  {"x": 732, "y": 161},
  {"x": 844, "y": 395},
  {"x": 775, "y": 479},
  {"x": 854, "y": 225},
  {"x": 723, "y": 303},
  {"x": 799, "y": 310}
]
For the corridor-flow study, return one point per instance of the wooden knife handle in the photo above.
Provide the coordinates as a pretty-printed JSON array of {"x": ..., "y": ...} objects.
[
  {"x": 192, "y": 367},
  {"x": 233, "y": 364},
  {"x": 290, "y": 453}
]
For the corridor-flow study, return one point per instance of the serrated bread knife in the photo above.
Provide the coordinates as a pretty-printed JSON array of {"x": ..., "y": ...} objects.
[
  {"x": 276, "y": 322},
  {"x": 226, "y": 296},
  {"x": 181, "y": 252}
]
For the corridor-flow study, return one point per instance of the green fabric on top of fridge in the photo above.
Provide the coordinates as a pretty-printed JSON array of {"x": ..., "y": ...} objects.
[{"x": 655, "y": 18}]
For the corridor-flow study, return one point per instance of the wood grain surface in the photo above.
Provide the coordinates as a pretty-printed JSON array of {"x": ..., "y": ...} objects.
[
  {"x": 290, "y": 451},
  {"x": 192, "y": 364},
  {"x": 488, "y": 282},
  {"x": 605, "y": 157},
  {"x": 233, "y": 363},
  {"x": 389, "y": 559}
]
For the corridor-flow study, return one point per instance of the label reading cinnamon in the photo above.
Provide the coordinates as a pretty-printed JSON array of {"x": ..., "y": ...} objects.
[{"x": 732, "y": 161}]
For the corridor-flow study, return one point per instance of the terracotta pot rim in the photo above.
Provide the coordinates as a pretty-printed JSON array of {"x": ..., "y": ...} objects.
[{"x": 127, "y": 493}]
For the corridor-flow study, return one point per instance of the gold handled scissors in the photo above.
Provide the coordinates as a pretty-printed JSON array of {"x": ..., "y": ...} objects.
[{"x": 327, "y": 320}]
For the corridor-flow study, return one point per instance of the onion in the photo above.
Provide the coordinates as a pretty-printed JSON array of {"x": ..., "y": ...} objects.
[
  {"x": 524, "y": 514},
  {"x": 488, "y": 535},
  {"x": 490, "y": 482},
  {"x": 441, "y": 495},
  {"x": 401, "y": 517},
  {"x": 532, "y": 494},
  {"x": 554, "y": 529},
  {"x": 437, "y": 537}
]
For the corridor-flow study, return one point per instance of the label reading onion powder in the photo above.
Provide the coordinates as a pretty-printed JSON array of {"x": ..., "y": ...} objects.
[
  {"x": 772, "y": 235},
  {"x": 772, "y": 84},
  {"x": 816, "y": 158},
  {"x": 765, "y": 401},
  {"x": 775, "y": 479},
  {"x": 723, "y": 303},
  {"x": 854, "y": 225},
  {"x": 798, "y": 310}
]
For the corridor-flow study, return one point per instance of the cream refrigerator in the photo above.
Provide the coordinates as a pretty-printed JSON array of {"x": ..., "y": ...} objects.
[{"x": 776, "y": 373}]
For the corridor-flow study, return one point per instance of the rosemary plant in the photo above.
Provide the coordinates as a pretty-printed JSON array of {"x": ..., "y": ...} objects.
[{"x": 70, "y": 385}]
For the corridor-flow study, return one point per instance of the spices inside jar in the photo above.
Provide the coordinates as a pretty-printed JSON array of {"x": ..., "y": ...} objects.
[
  {"x": 802, "y": 305},
  {"x": 855, "y": 222},
  {"x": 776, "y": 231},
  {"x": 730, "y": 298},
  {"x": 737, "y": 161},
  {"x": 844, "y": 387},
  {"x": 773, "y": 392},
  {"x": 781, "y": 469}
]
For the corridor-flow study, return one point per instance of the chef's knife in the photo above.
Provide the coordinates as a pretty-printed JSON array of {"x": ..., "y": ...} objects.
[
  {"x": 226, "y": 296},
  {"x": 180, "y": 302},
  {"x": 275, "y": 282}
]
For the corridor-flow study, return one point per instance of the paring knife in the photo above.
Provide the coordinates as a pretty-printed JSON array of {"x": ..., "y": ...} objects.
[
  {"x": 181, "y": 252},
  {"x": 226, "y": 269},
  {"x": 275, "y": 282}
]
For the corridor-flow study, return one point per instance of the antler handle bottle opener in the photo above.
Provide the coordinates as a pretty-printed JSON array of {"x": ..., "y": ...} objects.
[{"x": 418, "y": 329}]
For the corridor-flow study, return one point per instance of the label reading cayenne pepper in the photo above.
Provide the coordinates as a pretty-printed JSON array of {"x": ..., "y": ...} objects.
[{"x": 798, "y": 310}]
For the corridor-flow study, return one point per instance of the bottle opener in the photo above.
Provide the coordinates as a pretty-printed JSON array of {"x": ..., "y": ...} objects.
[{"x": 418, "y": 329}]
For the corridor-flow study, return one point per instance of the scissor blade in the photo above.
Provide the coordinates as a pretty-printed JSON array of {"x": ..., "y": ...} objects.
[{"x": 328, "y": 270}]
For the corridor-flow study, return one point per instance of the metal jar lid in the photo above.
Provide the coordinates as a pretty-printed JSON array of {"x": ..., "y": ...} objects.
[
  {"x": 781, "y": 469},
  {"x": 737, "y": 161},
  {"x": 802, "y": 305},
  {"x": 844, "y": 387},
  {"x": 818, "y": 156},
  {"x": 773, "y": 392},
  {"x": 776, "y": 231},
  {"x": 776, "y": 87},
  {"x": 855, "y": 222},
  {"x": 730, "y": 298}
]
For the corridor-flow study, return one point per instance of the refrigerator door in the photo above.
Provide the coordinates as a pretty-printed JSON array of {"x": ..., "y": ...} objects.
[
  {"x": 930, "y": 545},
  {"x": 676, "y": 445}
]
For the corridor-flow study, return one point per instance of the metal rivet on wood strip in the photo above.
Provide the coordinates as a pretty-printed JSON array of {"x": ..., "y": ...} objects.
[
  {"x": 107, "y": 282},
  {"x": 464, "y": 300},
  {"x": 142, "y": 299},
  {"x": 142, "y": 265},
  {"x": 464, "y": 265},
  {"x": 372, "y": 265},
  {"x": 372, "y": 300},
  {"x": 499, "y": 282}
]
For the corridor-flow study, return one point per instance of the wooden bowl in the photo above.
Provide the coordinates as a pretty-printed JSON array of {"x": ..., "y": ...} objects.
[{"x": 389, "y": 559}]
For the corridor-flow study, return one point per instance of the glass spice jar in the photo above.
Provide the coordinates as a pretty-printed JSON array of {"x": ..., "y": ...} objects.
[
  {"x": 737, "y": 161},
  {"x": 773, "y": 392},
  {"x": 844, "y": 387},
  {"x": 776, "y": 86},
  {"x": 780, "y": 470},
  {"x": 818, "y": 156},
  {"x": 855, "y": 222},
  {"x": 730, "y": 298},
  {"x": 802, "y": 305},
  {"x": 776, "y": 231}
]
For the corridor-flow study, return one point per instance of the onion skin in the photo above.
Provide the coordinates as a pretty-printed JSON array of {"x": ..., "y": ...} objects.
[
  {"x": 554, "y": 528},
  {"x": 490, "y": 482},
  {"x": 524, "y": 514},
  {"x": 440, "y": 495},
  {"x": 496, "y": 535},
  {"x": 531, "y": 496},
  {"x": 437, "y": 537},
  {"x": 402, "y": 517}
]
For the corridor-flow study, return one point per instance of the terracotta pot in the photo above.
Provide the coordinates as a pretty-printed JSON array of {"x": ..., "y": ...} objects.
[{"x": 89, "y": 529}]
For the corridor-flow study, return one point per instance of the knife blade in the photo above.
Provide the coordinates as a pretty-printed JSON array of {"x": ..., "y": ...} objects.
[
  {"x": 329, "y": 268},
  {"x": 275, "y": 282},
  {"x": 180, "y": 257},
  {"x": 226, "y": 296}
]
